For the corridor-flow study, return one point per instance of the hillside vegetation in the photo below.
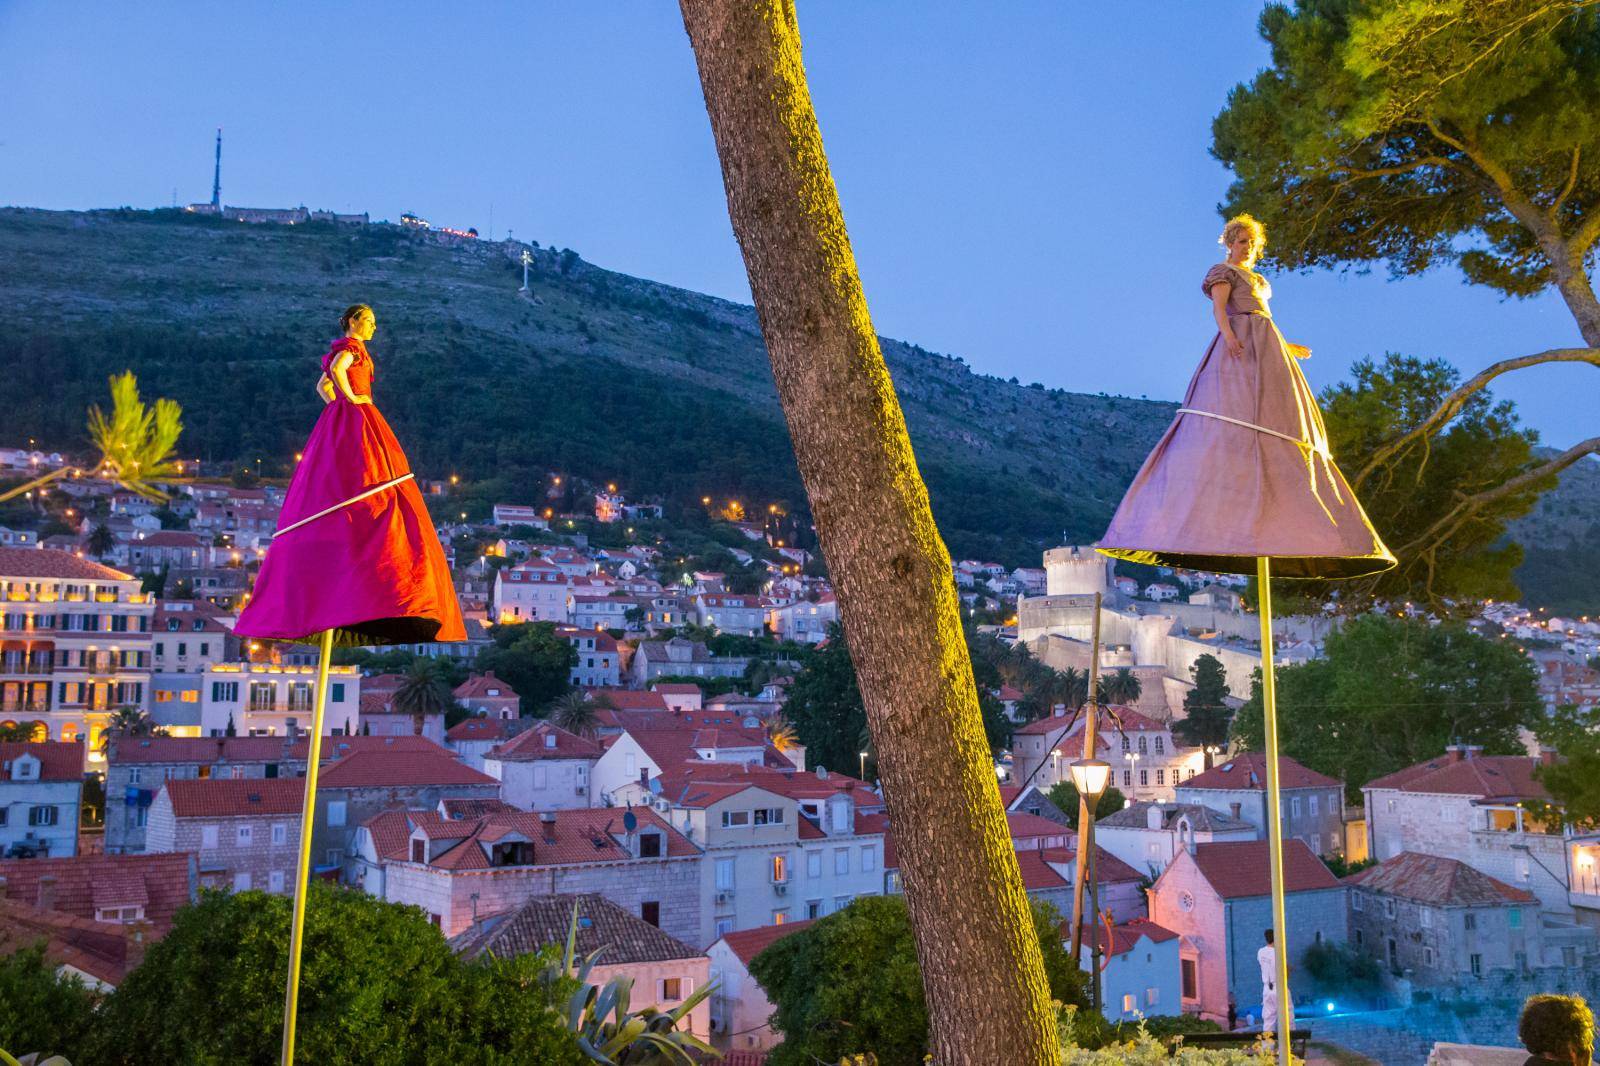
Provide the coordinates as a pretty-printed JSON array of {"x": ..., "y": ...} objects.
[{"x": 605, "y": 376}]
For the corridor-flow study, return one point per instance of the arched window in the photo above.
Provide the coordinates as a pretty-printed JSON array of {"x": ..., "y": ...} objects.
[
  {"x": 70, "y": 732},
  {"x": 1144, "y": 746},
  {"x": 1126, "y": 745}
]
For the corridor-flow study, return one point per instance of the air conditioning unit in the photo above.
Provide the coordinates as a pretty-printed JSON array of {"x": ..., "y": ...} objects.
[
  {"x": 580, "y": 790},
  {"x": 725, "y": 896},
  {"x": 781, "y": 888}
]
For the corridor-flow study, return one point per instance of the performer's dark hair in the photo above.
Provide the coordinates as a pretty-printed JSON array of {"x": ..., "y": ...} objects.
[
  {"x": 1268, "y": 934},
  {"x": 351, "y": 313}
]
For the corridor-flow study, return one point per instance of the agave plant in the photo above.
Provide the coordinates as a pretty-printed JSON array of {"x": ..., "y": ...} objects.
[
  {"x": 611, "y": 1034},
  {"x": 135, "y": 442},
  {"x": 32, "y": 1059}
]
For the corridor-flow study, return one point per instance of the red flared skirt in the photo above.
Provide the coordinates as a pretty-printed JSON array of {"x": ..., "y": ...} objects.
[{"x": 371, "y": 568}]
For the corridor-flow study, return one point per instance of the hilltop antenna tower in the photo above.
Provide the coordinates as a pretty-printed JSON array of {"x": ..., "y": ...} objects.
[{"x": 216, "y": 176}]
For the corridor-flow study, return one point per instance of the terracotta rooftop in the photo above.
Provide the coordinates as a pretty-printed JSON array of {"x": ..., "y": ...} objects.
[
  {"x": 584, "y": 834},
  {"x": 459, "y": 808},
  {"x": 401, "y": 769},
  {"x": 484, "y": 686},
  {"x": 1202, "y": 818},
  {"x": 676, "y": 689},
  {"x": 58, "y": 760},
  {"x": 481, "y": 729},
  {"x": 84, "y": 883},
  {"x": 748, "y": 943},
  {"x": 1505, "y": 777},
  {"x": 626, "y": 699},
  {"x": 43, "y": 562},
  {"x": 208, "y": 751},
  {"x": 1024, "y": 826},
  {"x": 1439, "y": 881},
  {"x": 1037, "y": 874},
  {"x": 1107, "y": 869},
  {"x": 230, "y": 798},
  {"x": 1125, "y": 937},
  {"x": 624, "y": 937},
  {"x": 783, "y": 779},
  {"x": 1239, "y": 868},
  {"x": 545, "y": 740},
  {"x": 1248, "y": 771}
]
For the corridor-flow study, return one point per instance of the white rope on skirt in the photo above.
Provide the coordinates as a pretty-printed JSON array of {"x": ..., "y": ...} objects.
[
  {"x": 346, "y": 503},
  {"x": 1251, "y": 425}
]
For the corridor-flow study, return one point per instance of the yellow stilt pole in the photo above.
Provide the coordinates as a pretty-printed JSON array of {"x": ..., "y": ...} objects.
[
  {"x": 291, "y": 1002},
  {"x": 1269, "y": 715},
  {"x": 1091, "y": 725}
]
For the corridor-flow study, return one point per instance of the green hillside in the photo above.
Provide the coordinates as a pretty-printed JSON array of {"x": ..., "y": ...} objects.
[
  {"x": 595, "y": 373},
  {"x": 605, "y": 375}
]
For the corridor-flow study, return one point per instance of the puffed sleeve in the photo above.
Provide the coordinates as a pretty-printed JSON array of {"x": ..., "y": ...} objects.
[{"x": 1220, "y": 272}]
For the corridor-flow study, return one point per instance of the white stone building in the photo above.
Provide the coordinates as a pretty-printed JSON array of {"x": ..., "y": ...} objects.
[
  {"x": 41, "y": 790},
  {"x": 544, "y": 768},
  {"x": 246, "y": 832}
]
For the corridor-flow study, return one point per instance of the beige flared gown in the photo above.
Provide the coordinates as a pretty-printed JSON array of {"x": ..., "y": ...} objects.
[{"x": 1244, "y": 469}]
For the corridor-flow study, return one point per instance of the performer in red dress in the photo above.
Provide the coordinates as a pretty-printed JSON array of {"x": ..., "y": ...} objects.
[{"x": 355, "y": 551}]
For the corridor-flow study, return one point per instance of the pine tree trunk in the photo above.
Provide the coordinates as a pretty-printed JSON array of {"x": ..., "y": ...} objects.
[{"x": 988, "y": 1001}]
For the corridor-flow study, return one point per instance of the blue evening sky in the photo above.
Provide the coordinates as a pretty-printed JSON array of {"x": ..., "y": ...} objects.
[{"x": 1027, "y": 184}]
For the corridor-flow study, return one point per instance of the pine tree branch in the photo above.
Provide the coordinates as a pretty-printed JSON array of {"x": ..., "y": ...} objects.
[
  {"x": 1467, "y": 506},
  {"x": 1452, "y": 404}
]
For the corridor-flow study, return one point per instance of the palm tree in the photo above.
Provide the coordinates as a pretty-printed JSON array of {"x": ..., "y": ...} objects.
[
  {"x": 1071, "y": 687},
  {"x": 780, "y": 733},
  {"x": 102, "y": 540},
  {"x": 422, "y": 693},
  {"x": 130, "y": 722},
  {"x": 135, "y": 443},
  {"x": 577, "y": 712},
  {"x": 1120, "y": 689},
  {"x": 16, "y": 732}
]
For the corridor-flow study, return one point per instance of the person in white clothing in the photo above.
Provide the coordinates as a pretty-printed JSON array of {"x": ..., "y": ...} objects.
[{"x": 1267, "y": 957}]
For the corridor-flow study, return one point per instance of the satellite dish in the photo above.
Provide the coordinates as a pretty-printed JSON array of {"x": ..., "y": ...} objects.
[{"x": 630, "y": 821}]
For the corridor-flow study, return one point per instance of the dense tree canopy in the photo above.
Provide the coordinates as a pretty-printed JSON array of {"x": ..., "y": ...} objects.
[
  {"x": 1574, "y": 781},
  {"x": 850, "y": 983},
  {"x": 530, "y": 658},
  {"x": 379, "y": 987},
  {"x": 40, "y": 1012},
  {"x": 1391, "y": 692}
]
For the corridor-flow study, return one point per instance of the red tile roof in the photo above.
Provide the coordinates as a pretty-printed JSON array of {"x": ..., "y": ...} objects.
[
  {"x": 785, "y": 780},
  {"x": 1037, "y": 874},
  {"x": 208, "y": 751},
  {"x": 585, "y": 834},
  {"x": 167, "y": 880},
  {"x": 1248, "y": 771},
  {"x": 384, "y": 769},
  {"x": 242, "y": 798},
  {"x": 625, "y": 937},
  {"x": 534, "y": 744},
  {"x": 480, "y": 729},
  {"x": 391, "y": 834},
  {"x": 43, "y": 562},
  {"x": 1124, "y": 938},
  {"x": 676, "y": 689},
  {"x": 1025, "y": 826},
  {"x": 748, "y": 943},
  {"x": 1505, "y": 777},
  {"x": 1107, "y": 870},
  {"x": 626, "y": 699},
  {"x": 458, "y": 807},
  {"x": 479, "y": 686},
  {"x": 58, "y": 760},
  {"x": 1239, "y": 868},
  {"x": 174, "y": 538},
  {"x": 1438, "y": 881}
]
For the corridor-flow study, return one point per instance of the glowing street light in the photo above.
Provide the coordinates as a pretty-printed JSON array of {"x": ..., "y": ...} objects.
[
  {"x": 1091, "y": 777},
  {"x": 863, "y": 766}
]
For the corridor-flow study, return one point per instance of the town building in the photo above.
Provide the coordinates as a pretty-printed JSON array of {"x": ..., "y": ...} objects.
[
  {"x": 486, "y": 695},
  {"x": 1146, "y": 762},
  {"x": 263, "y": 699},
  {"x": 1147, "y": 836},
  {"x": 1475, "y": 807},
  {"x": 1313, "y": 803},
  {"x": 1436, "y": 920},
  {"x": 473, "y": 738},
  {"x": 365, "y": 783},
  {"x": 804, "y": 621},
  {"x": 730, "y": 612},
  {"x": 187, "y": 636},
  {"x": 531, "y": 591},
  {"x": 741, "y": 1013},
  {"x": 1218, "y": 897},
  {"x": 461, "y": 869},
  {"x": 544, "y": 768},
  {"x": 74, "y": 644},
  {"x": 680, "y": 657},
  {"x": 1144, "y": 967},
  {"x": 168, "y": 550},
  {"x": 599, "y": 657},
  {"x": 41, "y": 796},
  {"x": 245, "y": 832},
  {"x": 664, "y": 971}
]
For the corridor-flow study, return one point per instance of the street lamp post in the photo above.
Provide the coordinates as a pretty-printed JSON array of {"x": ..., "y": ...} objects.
[
  {"x": 863, "y": 766},
  {"x": 1133, "y": 768},
  {"x": 1212, "y": 751},
  {"x": 1090, "y": 777}
]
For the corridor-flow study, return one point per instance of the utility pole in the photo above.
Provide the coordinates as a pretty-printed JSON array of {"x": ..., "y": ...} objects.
[{"x": 1091, "y": 738}]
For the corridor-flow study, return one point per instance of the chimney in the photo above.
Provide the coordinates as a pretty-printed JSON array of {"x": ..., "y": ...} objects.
[
  {"x": 1154, "y": 816},
  {"x": 1059, "y": 710},
  {"x": 1547, "y": 757},
  {"x": 47, "y": 892},
  {"x": 1234, "y": 809},
  {"x": 138, "y": 940}
]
